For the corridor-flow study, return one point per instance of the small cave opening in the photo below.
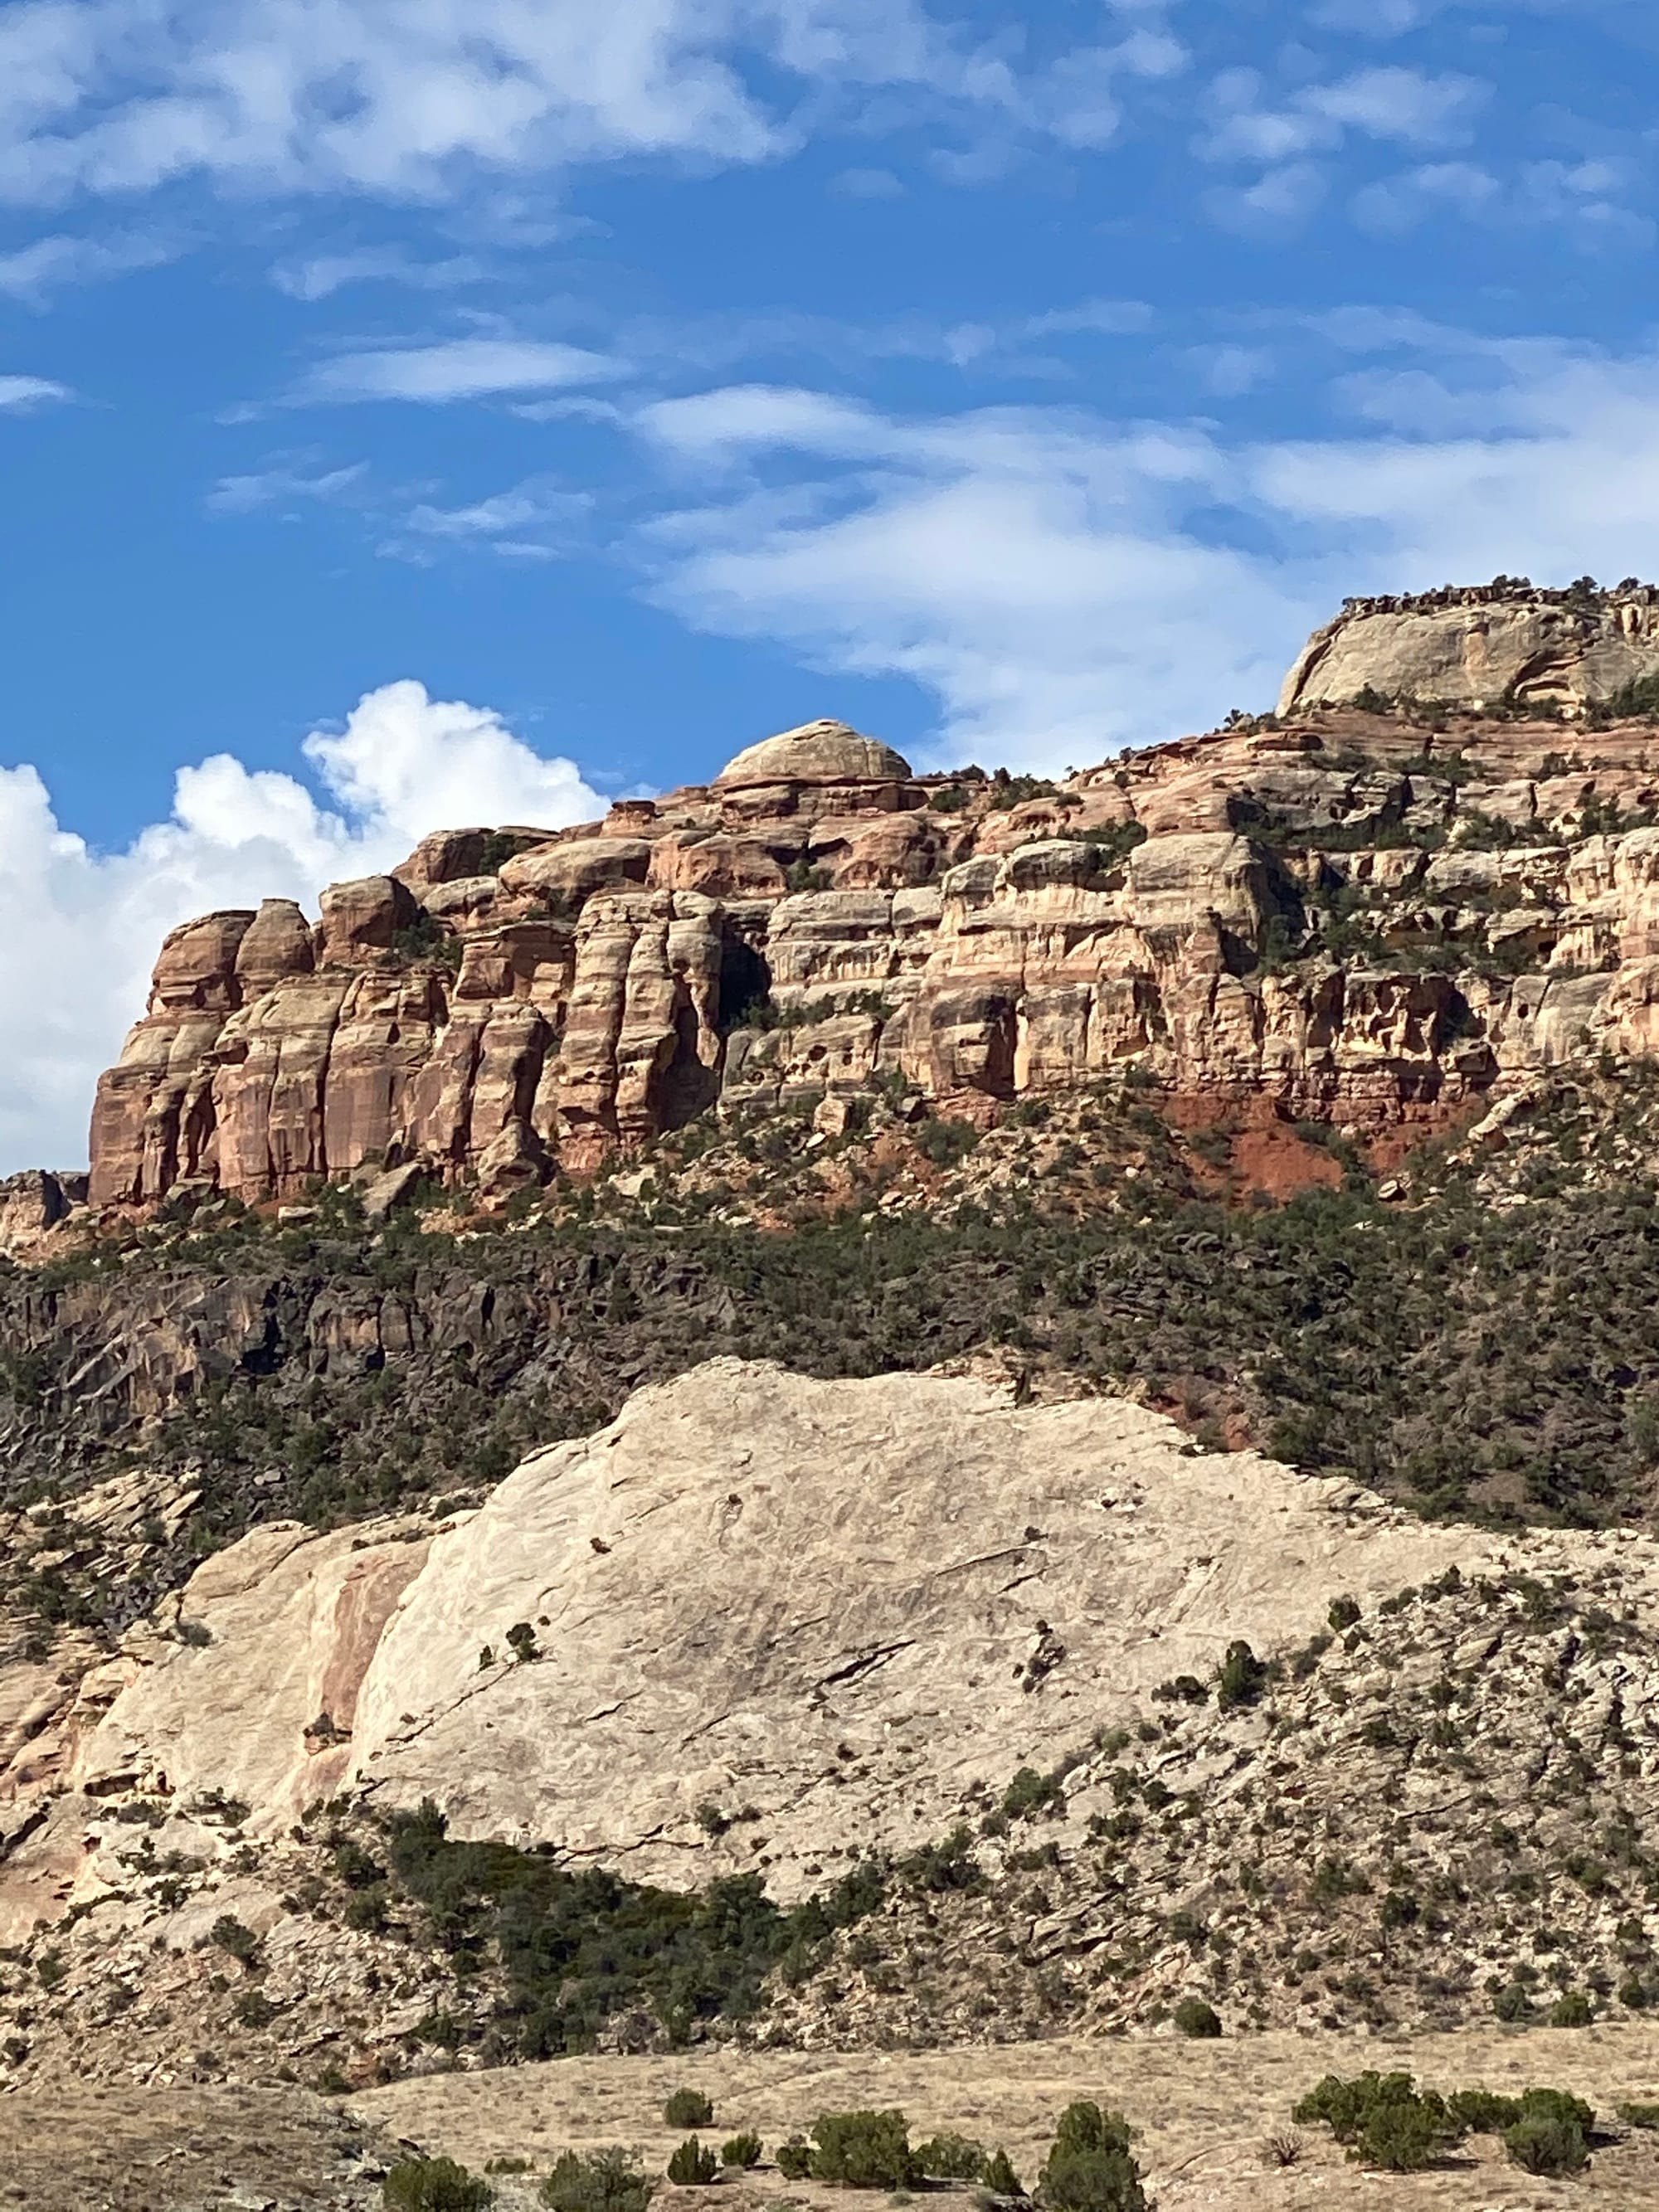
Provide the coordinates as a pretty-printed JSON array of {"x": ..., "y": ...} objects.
[{"x": 745, "y": 981}]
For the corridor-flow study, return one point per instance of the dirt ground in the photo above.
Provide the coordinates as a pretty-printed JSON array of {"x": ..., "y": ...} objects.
[
  {"x": 1203, "y": 2111},
  {"x": 94, "y": 2148}
]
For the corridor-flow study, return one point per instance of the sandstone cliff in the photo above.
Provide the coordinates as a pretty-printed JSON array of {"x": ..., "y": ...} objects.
[
  {"x": 1359, "y": 919},
  {"x": 1502, "y": 644}
]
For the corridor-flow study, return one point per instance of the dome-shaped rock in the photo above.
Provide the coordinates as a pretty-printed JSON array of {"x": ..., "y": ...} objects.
[{"x": 817, "y": 752}]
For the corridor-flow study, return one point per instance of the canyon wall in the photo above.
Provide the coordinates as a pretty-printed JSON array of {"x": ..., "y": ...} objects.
[{"x": 1367, "y": 920}]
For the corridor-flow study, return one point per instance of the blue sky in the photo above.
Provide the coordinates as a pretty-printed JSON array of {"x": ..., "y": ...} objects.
[{"x": 589, "y": 391}]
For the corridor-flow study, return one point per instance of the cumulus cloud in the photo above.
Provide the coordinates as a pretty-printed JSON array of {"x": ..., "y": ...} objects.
[
  {"x": 1061, "y": 584},
  {"x": 87, "y": 923}
]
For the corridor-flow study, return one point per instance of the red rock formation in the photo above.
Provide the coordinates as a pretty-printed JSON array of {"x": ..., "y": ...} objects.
[{"x": 508, "y": 1003}]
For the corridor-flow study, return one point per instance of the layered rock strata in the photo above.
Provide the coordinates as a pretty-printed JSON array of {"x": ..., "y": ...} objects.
[{"x": 1359, "y": 919}]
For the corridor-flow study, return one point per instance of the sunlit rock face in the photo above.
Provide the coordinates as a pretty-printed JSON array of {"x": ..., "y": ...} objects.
[
  {"x": 1483, "y": 646},
  {"x": 1358, "y": 915}
]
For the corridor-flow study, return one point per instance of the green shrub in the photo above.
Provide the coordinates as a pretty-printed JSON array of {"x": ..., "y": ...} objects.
[
  {"x": 1404, "y": 2138},
  {"x": 1241, "y": 1677},
  {"x": 743, "y": 2150},
  {"x": 1344, "y": 2106},
  {"x": 253, "y": 2008},
  {"x": 1558, "y": 2105},
  {"x": 689, "y": 2108},
  {"x": 1194, "y": 2018},
  {"x": 434, "y": 2185},
  {"x": 1030, "y": 1792},
  {"x": 692, "y": 2166},
  {"x": 1084, "y": 2126},
  {"x": 1572, "y": 2010},
  {"x": 1542, "y": 2143},
  {"x": 1001, "y": 2180},
  {"x": 863, "y": 2150},
  {"x": 795, "y": 2159},
  {"x": 1383, "y": 2118},
  {"x": 231, "y": 1935},
  {"x": 1513, "y": 2003},
  {"x": 1640, "y": 2115},
  {"x": 1093, "y": 2181},
  {"x": 1089, "y": 2168},
  {"x": 1483, "y": 2112},
  {"x": 950, "y": 2157},
  {"x": 597, "y": 2181},
  {"x": 1344, "y": 1614}
]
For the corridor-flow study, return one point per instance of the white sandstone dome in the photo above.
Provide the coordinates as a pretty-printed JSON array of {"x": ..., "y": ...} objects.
[{"x": 817, "y": 752}]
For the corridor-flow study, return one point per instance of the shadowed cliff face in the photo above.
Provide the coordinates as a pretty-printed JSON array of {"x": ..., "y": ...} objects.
[{"x": 1361, "y": 918}]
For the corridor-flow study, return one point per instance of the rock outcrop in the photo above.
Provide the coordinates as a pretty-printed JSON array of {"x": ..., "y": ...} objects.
[
  {"x": 826, "y": 1609},
  {"x": 1502, "y": 644},
  {"x": 1355, "y": 916},
  {"x": 767, "y": 1625}
]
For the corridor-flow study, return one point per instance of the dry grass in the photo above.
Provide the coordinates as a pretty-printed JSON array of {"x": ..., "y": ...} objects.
[
  {"x": 1203, "y": 2110},
  {"x": 84, "y": 2147}
]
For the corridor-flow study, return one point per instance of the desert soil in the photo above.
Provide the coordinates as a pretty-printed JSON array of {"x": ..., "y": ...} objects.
[{"x": 1202, "y": 2110}]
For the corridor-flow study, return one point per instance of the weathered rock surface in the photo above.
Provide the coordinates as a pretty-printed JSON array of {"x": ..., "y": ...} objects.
[
  {"x": 766, "y": 1624},
  {"x": 1356, "y": 918},
  {"x": 1482, "y": 648},
  {"x": 830, "y": 1610}
]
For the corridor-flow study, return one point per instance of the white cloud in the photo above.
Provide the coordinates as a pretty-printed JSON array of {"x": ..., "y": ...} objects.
[
  {"x": 33, "y": 272},
  {"x": 1061, "y": 584},
  {"x": 1282, "y": 200},
  {"x": 403, "y": 764},
  {"x": 868, "y": 185},
  {"x": 1394, "y": 104},
  {"x": 456, "y": 368},
  {"x": 282, "y": 485},
  {"x": 1583, "y": 199},
  {"x": 1030, "y": 569},
  {"x": 1419, "y": 195},
  {"x": 532, "y": 522},
  {"x": 320, "y": 276},
  {"x": 1293, "y": 142},
  {"x": 1401, "y": 104},
  {"x": 124, "y": 96},
  {"x": 18, "y": 392}
]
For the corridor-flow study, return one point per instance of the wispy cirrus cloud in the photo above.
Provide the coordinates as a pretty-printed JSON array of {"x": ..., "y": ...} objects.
[
  {"x": 320, "y": 276},
  {"x": 35, "y": 272},
  {"x": 1062, "y": 583},
  {"x": 538, "y": 520},
  {"x": 284, "y": 486},
  {"x": 450, "y": 370},
  {"x": 19, "y": 393}
]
